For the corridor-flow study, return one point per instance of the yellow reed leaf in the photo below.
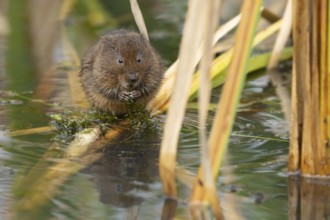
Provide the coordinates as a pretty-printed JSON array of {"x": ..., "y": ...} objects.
[{"x": 160, "y": 103}]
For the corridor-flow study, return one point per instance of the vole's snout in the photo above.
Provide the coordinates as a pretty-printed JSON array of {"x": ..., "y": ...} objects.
[{"x": 132, "y": 78}]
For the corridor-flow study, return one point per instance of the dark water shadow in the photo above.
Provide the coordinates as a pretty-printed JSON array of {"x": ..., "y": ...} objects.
[
  {"x": 126, "y": 170},
  {"x": 308, "y": 198}
]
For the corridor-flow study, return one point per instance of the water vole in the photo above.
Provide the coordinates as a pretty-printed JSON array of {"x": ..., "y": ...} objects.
[{"x": 121, "y": 68}]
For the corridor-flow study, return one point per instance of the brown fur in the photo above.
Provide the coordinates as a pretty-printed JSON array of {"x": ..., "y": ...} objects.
[{"x": 109, "y": 67}]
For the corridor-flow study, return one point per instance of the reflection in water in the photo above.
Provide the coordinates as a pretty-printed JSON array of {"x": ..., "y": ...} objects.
[
  {"x": 308, "y": 198},
  {"x": 126, "y": 169},
  {"x": 122, "y": 171}
]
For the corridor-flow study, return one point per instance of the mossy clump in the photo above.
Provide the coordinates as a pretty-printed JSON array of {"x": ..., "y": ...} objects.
[
  {"x": 69, "y": 123},
  {"x": 139, "y": 118}
]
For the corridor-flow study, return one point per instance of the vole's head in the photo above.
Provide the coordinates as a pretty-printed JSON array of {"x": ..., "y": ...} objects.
[{"x": 125, "y": 60}]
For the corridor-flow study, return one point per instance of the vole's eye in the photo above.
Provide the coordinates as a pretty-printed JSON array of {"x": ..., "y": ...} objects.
[
  {"x": 138, "y": 60},
  {"x": 121, "y": 60}
]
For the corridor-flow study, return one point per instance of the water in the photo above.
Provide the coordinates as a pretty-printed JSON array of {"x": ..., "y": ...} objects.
[
  {"x": 121, "y": 179},
  {"x": 124, "y": 182}
]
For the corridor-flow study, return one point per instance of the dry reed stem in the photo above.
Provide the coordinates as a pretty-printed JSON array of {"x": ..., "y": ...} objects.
[
  {"x": 314, "y": 87},
  {"x": 161, "y": 101},
  {"x": 185, "y": 176},
  {"x": 139, "y": 18},
  {"x": 321, "y": 151},
  {"x": 257, "y": 61},
  {"x": 220, "y": 63},
  {"x": 324, "y": 74},
  {"x": 308, "y": 139},
  {"x": 31, "y": 131},
  {"x": 212, "y": 9},
  {"x": 282, "y": 92},
  {"x": 300, "y": 69},
  {"x": 283, "y": 35},
  {"x": 307, "y": 165},
  {"x": 295, "y": 129},
  {"x": 328, "y": 76},
  {"x": 188, "y": 48},
  {"x": 319, "y": 12},
  {"x": 224, "y": 118},
  {"x": 200, "y": 211},
  {"x": 82, "y": 142}
]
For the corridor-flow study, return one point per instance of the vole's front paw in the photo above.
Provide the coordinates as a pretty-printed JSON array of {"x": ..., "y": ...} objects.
[
  {"x": 126, "y": 96},
  {"x": 135, "y": 94}
]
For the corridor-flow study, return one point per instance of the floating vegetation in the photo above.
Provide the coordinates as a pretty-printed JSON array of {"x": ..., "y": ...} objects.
[{"x": 69, "y": 123}]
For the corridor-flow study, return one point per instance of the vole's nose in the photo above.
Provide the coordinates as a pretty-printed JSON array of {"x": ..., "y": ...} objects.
[{"x": 132, "y": 78}]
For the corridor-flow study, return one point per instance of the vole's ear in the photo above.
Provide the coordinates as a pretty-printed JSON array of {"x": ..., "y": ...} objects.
[
  {"x": 143, "y": 39},
  {"x": 142, "y": 36},
  {"x": 108, "y": 42},
  {"x": 104, "y": 40}
]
